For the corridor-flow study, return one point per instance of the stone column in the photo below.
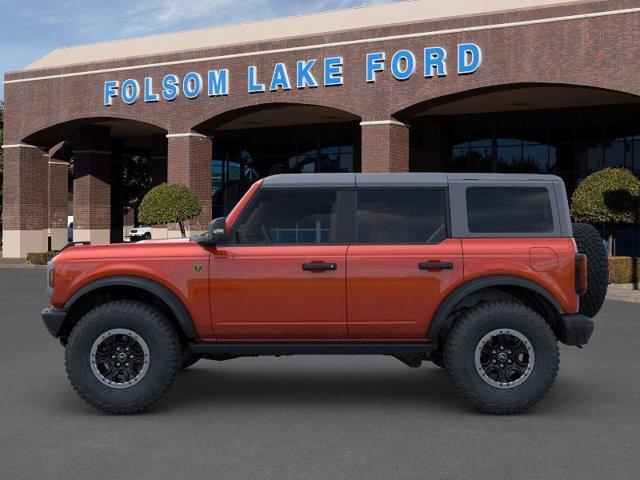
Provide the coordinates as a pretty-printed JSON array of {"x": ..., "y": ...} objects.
[
  {"x": 385, "y": 146},
  {"x": 25, "y": 207},
  {"x": 92, "y": 186},
  {"x": 189, "y": 164},
  {"x": 58, "y": 190}
]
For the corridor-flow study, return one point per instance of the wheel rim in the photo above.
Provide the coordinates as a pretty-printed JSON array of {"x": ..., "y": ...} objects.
[
  {"x": 504, "y": 358},
  {"x": 119, "y": 358}
]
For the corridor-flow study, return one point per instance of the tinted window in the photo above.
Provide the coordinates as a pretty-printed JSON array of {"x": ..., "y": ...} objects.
[
  {"x": 509, "y": 210},
  {"x": 288, "y": 216},
  {"x": 401, "y": 215}
]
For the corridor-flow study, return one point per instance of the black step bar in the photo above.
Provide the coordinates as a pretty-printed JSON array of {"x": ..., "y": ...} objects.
[{"x": 276, "y": 349}]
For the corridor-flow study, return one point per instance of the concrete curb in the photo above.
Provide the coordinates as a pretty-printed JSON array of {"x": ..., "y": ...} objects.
[
  {"x": 623, "y": 294},
  {"x": 21, "y": 265}
]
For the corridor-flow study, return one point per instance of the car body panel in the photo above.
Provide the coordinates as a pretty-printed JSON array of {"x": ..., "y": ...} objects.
[
  {"x": 173, "y": 264},
  {"x": 388, "y": 296},
  {"x": 262, "y": 292}
]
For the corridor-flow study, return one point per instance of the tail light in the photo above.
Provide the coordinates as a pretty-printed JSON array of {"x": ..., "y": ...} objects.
[{"x": 581, "y": 273}]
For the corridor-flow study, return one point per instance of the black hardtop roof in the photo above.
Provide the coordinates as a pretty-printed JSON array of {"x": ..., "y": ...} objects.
[{"x": 417, "y": 179}]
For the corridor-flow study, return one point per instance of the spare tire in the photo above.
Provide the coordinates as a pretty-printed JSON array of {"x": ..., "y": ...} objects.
[{"x": 590, "y": 243}]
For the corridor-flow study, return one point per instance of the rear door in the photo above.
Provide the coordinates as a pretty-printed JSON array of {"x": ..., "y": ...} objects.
[
  {"x": 401, "y": 264},
  {"x": 282, "y": 276}
]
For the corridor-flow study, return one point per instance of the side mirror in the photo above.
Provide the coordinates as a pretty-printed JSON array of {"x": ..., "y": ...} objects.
[{"x": 216, "y": 233}]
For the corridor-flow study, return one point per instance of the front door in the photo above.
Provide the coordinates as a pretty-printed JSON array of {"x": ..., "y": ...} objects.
[
  {"x": 402, "y": 263},
  {"x": 282, "y": 275}
]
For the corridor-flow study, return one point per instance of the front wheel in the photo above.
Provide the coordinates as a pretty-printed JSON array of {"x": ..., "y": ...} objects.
[
  {"x": 122, "y": 356},
  {"x": 502, "y": 357}
]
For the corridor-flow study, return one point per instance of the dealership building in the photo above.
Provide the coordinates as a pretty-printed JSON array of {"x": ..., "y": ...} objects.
[{"x": 547, "y": 86}]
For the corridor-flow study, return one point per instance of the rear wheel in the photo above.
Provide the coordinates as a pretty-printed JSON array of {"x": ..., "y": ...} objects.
[
  {"x": 502, "y": 357},
  {"x": 122, "y": 356},
  {"x": 590, "y": 243}
]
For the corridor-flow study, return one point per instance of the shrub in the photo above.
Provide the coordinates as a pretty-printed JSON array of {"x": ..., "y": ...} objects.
[
  {"x": 621, "y": 270},
  {"x": 40, "y": 258},
  {"x": 169, "y": 203},
  {"x": 609, "y": 195}
]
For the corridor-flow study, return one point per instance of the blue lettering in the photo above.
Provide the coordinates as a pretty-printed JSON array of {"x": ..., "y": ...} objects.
[
  {"x": 170, "y": 87},
  {"x": 304, "y": 77},
  {"x": 469, "y": 58},
  {"x": 333, "y": 71},
  {"x": 434, "y": 57},
  {"x": 130, "y": 91},
  {"x": 375, "y": 63},
  {"x": 192, "y": 85},
  {"x": 218, "y": 81},
  {"x": 280, "y": 78},
  {"x": 110, "y": 92},
  {"x": 254, "y": 86},
  {"x": 403, "y": 64},
  {"x": 149, "y": 96}
]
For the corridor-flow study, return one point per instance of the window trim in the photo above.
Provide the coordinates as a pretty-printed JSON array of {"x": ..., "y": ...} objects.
[
  {"x": 460, "y": 223},
  {"x": 445, "y": 205}
]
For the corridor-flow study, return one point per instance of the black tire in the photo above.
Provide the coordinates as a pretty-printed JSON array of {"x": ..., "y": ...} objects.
[
  {"x": 164, "y": 354},
  {"x": 590, "y": 243},
  {"x": 465, "y": 338},
  {"x": 147, "y": 236}
]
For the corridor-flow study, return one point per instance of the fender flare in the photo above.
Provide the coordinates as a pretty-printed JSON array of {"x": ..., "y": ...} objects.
[
  {"x": 154, "y": 288},
  {"x": 441, "y": 322}
]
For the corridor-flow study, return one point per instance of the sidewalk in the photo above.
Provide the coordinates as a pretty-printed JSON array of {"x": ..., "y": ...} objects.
[
  {"x": 624, "y": 292},
  {"x": 16, "y": 263}
]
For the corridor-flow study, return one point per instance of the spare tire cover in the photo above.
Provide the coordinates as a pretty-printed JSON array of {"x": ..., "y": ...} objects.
[{"x": 590, "y": 243}]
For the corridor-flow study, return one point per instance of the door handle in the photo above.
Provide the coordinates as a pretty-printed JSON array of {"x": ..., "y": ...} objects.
[
  {"x": 319, "y": 267},
  {"x": 435, "y": 266}
]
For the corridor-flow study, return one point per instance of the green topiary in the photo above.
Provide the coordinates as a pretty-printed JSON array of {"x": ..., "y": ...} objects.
[
  {"x": 40, "y": 258},
  {"x": 609, "y": 195},
  {"x": 169, "y": 203}
]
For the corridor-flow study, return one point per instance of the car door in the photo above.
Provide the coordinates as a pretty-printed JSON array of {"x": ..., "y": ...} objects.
[
  {"x": 282, "y": 274},
  {"x": 401, "y": 264}
]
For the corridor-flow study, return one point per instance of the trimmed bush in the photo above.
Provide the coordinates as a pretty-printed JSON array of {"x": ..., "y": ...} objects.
[
  {"x": 169, "y": 203},
  {"x": 621, "y": 270},
  {"x": 40, "y": 258},
  {"x": 609, "y": 195}
]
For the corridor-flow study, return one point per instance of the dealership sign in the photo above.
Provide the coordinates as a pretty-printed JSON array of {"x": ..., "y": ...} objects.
[{"x": 309, "y": 73}]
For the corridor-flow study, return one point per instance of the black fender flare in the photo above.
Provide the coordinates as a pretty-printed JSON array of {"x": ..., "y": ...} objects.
[
  {"x": 154, "y": 288},
  {"x": 441, "y": 321}
]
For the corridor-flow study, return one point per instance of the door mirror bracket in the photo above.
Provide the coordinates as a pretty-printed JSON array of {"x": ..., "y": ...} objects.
[{"x": 216, "y": 233}]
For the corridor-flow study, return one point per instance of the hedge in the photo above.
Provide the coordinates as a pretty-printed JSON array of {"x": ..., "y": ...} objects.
[
  {"x": 609, "y": 195},
  {"x": 40, "y": 258},
  {"x": 621, "y": 270}
]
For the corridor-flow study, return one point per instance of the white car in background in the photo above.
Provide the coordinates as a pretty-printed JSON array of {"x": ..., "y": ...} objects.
[{"x": 143, "y": 232}]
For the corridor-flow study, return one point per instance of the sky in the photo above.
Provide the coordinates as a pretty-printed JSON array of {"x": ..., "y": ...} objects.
[{"x": 30, "y": 29}]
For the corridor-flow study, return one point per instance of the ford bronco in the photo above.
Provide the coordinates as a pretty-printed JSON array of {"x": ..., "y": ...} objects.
[{"x": 481, "y": 274}]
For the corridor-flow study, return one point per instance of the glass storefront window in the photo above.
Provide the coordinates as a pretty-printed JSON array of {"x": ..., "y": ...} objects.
[
  {"x": 570, "y": 143},
  {"x": 242, "y": 157}
]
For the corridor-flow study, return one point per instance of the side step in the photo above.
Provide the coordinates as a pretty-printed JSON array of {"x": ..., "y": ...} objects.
[{"x": 421, "y": 350}]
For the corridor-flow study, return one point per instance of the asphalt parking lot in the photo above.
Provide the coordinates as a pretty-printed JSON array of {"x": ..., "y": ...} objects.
[{"x": 314, "y": 417}]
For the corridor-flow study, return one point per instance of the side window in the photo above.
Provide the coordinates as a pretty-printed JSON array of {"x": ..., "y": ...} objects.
[
  {"x": 509, "y": 210},
  {"x": 402, "y": 215},
  {"x": 288, "y": 217}
]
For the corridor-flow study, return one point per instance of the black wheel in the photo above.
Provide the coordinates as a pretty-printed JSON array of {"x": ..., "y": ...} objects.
[
  {"x": 188, "y": 359},
  {"x": 122, "y": 356},
  {"x": 590, "y": 243},
  {"x": 147, "y": 236},
  {"x": 502, "y": 357}
]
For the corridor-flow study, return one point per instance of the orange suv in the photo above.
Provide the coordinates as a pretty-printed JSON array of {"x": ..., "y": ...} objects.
[{"x": 480, "y": 274}]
